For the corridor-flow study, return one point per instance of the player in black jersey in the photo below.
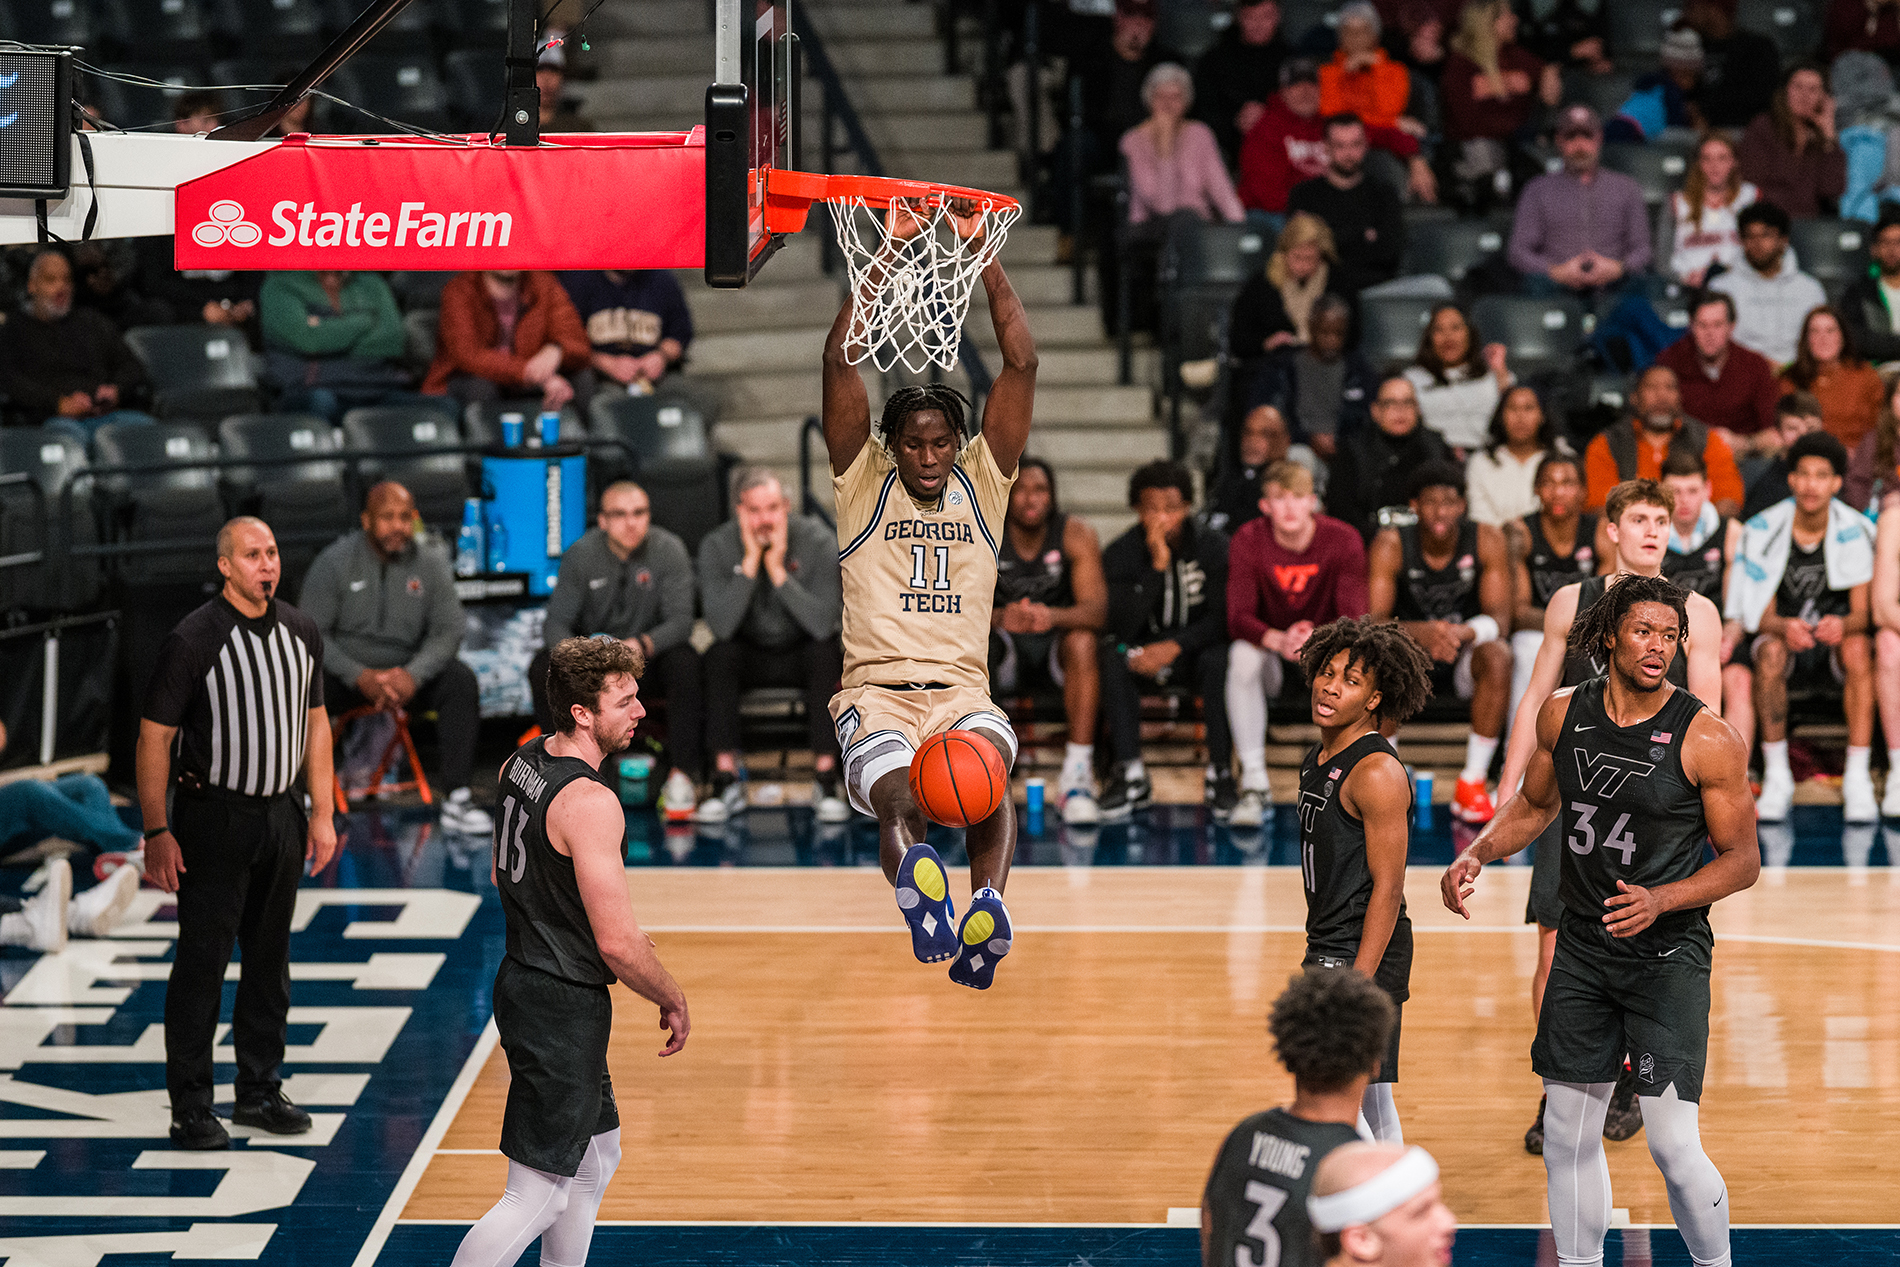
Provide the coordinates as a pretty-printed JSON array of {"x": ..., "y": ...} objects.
[
  {"x": 1643, "y": 778},
  {"x": 1355, "y": 816},
  {"x": 1330, "y": 1030},
  {"x": 1549, "y": 548},
  {"x": 571, "y": 934},
  {"x": 1702, "y": 540}
]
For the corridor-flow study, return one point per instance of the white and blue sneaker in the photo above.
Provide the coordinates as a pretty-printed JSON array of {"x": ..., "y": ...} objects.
[
  {"x": 982, "y": 940},
  {"x": 923, "y": 895}
]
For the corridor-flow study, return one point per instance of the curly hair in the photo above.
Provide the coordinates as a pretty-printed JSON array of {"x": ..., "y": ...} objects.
[
  {"x": 1330, "y": 1026},
  {"x": 905, "y": 401},
  {"x": 1596, "y": 628},
  {"x": 578, "y": 669},
  {"x": 1399, "y": 666}
]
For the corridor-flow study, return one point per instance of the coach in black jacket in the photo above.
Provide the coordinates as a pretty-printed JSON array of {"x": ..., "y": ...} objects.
[{"x": 1167, "y": 625}]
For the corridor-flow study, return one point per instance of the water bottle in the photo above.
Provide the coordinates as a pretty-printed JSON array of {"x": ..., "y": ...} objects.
[
  {"x": 1034, "y": 792},
  {"x": 468, "y": 543},
  {"x": 497, "y": 545},
  {"x": 635, "y": 770},
  {"x": 1422, "y": 782}
]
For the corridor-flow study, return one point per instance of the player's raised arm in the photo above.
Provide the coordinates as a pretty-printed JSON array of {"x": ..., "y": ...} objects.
[
  {"x": 1523, "y": 817},
  {"x": 587, "y": 818},
  {"x": 1547, "y": 674},
  {"x": 1006, "y": 415},
  {"x": 846, "y": 409}
]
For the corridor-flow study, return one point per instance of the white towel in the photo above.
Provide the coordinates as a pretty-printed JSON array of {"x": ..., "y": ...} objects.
[
  {"x": 1706, "y": 523},
  {"x": 1766, "y": 540}
]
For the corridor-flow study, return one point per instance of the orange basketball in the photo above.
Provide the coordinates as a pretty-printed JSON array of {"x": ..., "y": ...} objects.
[{"x": 958, "y": 778}]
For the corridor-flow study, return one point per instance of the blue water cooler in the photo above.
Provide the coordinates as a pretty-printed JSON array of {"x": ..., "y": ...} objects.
[{"x": 540, "y": 498}]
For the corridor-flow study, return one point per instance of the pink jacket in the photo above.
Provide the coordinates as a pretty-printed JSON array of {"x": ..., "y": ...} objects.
[{"x": 1193, "y": 178}]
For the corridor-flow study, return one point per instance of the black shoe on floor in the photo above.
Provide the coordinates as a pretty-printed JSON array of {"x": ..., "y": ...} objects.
[
  {"x": 1534, "y": 1137},
  {"x": 1123, "y": 796},
  {"x": 276, "y": 1115},
  {"x": 1222, "y": 795},
  {"x": 200, "y": 1131},
  {"x": 1625, "y": 1117}
]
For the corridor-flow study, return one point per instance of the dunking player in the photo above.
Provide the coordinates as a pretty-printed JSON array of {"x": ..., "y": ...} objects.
[
  {"x": 571, "y": 934},
  {"x": 1637, "y": 518},
  {"x": 1355, "y": 816},
  {"x": 1643, "y": 776},
  {"x": 920, "y": 505},
  {"x": 1330, "y": 1030}
]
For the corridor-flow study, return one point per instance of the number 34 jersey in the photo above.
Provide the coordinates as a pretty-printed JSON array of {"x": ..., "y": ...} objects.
[
  {"x": 548, "y": 926},
  {"x": 1629, "y": 813},
  {"x": 919, "y": 579}
]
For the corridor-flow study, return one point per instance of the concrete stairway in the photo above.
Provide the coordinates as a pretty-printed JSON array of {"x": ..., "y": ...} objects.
[{"x": 758, "y": 349}]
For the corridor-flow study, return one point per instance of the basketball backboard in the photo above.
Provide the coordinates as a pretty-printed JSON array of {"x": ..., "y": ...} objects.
[{"x": 751, "y": 128}]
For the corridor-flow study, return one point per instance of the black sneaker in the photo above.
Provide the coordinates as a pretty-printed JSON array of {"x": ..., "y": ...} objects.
[
  {"x": 1222, "y": 795},
  {"x": 1123, "y": 796},
  {"x": 276, "y": 1115},
  {"x": 1625, "y": 1117},
  {"x": 200, "y": 1131},
  {"x": 1534, "y": 1137}
]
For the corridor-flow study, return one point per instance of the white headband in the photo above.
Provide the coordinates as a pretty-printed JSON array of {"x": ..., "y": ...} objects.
[{"x": 1377, "y": 1196}]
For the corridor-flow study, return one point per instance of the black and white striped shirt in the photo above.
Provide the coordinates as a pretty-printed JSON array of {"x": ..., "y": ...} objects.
[{"x": 239, "y": 690}]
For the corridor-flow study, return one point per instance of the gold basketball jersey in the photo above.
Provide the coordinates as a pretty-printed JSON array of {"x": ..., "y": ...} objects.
[{"x": 919, "y": 579}]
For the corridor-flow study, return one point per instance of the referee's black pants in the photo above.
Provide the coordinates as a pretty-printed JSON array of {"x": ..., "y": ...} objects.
[{"x": 243, "y": 858}]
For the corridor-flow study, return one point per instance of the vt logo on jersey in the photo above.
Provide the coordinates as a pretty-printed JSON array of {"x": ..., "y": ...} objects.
[
  {"x": 1310, "y": 807},
  {"x": 1603, "y": 773}
]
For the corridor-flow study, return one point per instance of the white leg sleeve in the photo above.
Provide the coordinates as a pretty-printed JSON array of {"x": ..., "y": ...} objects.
[
  {"x": 1524, "y": 646},
  {"x": 1697, "y": 1195},
  {"x": 1247, "y": 705},
  {"x": 1577, "y": 1170},
  {"x": 1379, "y": 1116},
  {"x": 565, "y": 1243},
  {"x": 533, "y": 1201}
]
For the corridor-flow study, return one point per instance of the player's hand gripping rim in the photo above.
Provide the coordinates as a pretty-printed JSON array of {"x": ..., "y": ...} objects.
[
  {"x": 1640, "y": 906},
  {"x": 1458, "y": 883}
]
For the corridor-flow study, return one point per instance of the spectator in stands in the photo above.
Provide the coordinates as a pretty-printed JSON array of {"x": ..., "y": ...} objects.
[
  {"x": 1723, "y": 384},
  {"x": 1873, "y": 478},
  {"x": 1274, "y": 309},
  {"x": 1492, "y": 88},
  {"x": 1702, "y": 540},
  {"x": 332, "y": 341},
  {"x": 1050, "y": 601},
  {"x": 1568, "y": 32},
  {"x": 1802, "y": 597},
  {"x": 197, "y": 112},
  {"x": 1870, "y": 25},
  {"x": 1447, "y": 582},
  {"x": 1112, "y": 59},
  {"x": 508, "y": 334},
  {"x": 217, "y": 297},
  {"x": 1637, "y": 447},
  {"x": 1501, "y": 477},
  {"x": 1772, "y": 297},
  {"x": 1864, "y": 117},
  {"x": 1584, "y": 229},
  {"x": 72, "y": 807},
  {"x": 1288, "y": 145},
  {"x": 637, "y": 324},
  {"x": 774, "y": 600},
  {"x": 1739, "y": 68},
  {"x": 1263, "y": 440},
  {"x": 1374, "y": 464},
  {"x": 1869, "y": 303},
  {"x": 301, "y": 117},
  {"x": 1167, "y": 625},
  {"x": 559, "y": 113},
  {"x": 1368, "y": 225},
  {"x": 1288, "y": 572},
  {"x": 1234, "y": 78},
  {"x": 1697, "y": 234},
  {"x": 1796, "y": 414},
  {"x": 1174, "y": 162},
  {"x": 391, "y": 626},
  {"x": 1663, "y": 98},
  {"x": 1791, "y": 152},
  {"x": 1827, "y": 366},
  {"x": 1361, "y": 80},
  {"x": 630, "y": 579},
  {"x": 1550, "y": 547},
  {"x": 63, "y": 365},
  {"x": 1321, "y": 388},
  {"x": 44, "y": 920},
  {"x": 106, "y": 273},
  {"x": 1459, "y": 380}
]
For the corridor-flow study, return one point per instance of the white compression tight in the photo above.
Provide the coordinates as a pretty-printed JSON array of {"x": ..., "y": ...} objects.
[
  {"x": 1579, "y": 1172},
  {"x": 1524, "y": 647},
  {"x": 555, "y": 1208},
  {"x": 1379, "y": 1116}
]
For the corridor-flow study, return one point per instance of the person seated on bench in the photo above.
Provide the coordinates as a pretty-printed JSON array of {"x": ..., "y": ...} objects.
[
  {"x": 1551, "y": 547},
  {"x": 75, "y": 808}
]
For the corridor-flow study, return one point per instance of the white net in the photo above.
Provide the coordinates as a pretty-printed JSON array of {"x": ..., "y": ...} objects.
[{"x": 914, "y": 266}]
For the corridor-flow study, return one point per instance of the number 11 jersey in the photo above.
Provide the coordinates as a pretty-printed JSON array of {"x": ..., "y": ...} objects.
[{"x": 1628, "y": 812}]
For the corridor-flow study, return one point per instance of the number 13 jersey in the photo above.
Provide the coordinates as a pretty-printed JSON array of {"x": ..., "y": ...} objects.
[
  {"x": 919, "y": 579},
  {"x": 548, "y": 926},
  {"x": 1628, "y": 813}
]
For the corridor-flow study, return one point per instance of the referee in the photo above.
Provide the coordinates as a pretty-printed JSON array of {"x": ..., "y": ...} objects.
[{"x": 238, "y": 689}]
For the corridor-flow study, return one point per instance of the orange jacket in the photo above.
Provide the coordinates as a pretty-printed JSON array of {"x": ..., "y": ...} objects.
[
  {"x": 465, "y": 344},
  {"x": 1850, "y": 396},
  {"x": 1376, "y": 94},
  {"x": 1601, "y": 475}
]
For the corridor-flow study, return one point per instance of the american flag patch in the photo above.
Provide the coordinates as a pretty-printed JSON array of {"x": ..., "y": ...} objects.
[
  {"x": 1334, "y": 773},
  {"x": 1661, "y": 736}
]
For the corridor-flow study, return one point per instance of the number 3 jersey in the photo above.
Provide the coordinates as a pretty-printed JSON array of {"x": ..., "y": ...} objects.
[
  {"x": 1629, "y": 813},
  {"x": 919, "y": 579},
  {"x": 1256, "y": 1195},
  {"x": 548, "y": 927}
]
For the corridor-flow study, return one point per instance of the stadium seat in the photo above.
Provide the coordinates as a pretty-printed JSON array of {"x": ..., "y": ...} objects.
[
  {"x": 420, "y": 329},
  {"x": 1199, "y": 254},
  {"x": 174, "y": 27},
  {"x": 305, "y": 503},
  {"x": 1603, "y": 93},
  {"x": 1671, "y": 300},
  {"x": 475, "y": 82},
  {"x": 481, "y": 421},
  {"x": 179, "y": 507},
  {"x": 1451, "y": 248},
  {"x": 1794, "y": 25},
  {"x": 29, "y": 513},
  {"x": 1637, "y": 26},
  {"x": 1390, "y": 326},
  {"x": 412, "y": 29},
  {"x": 1658, "y": 168},
  {"x": 1541, "y": 334},
  {"x": 1833, "y": 252},
  {"x": 285, "y": 27},
  {"x": 1298, "y": 18},
  {"x": 404, "y": 87},
  {"x": 56, "y": 22},
  {"x": 198, "y": 371},
  {"x": 418, "y": 290},
  {"x": 480, "y": 24},
  {"x": 136, "y": 105},
  {"x": 667, "y": 450},
  {"x": 424, "y": 442}
]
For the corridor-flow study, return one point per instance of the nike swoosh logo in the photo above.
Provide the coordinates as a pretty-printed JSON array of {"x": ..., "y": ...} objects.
[
  {"x": 1577, "y": 728},
  {"x": 1665, "y": 954}
]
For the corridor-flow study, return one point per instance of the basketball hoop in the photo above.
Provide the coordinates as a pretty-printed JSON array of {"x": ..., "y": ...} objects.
[{"x": 914, "y": 251}]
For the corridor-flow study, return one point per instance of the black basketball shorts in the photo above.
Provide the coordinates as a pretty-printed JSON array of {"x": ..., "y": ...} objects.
[
  {"x": 1389, "y": 1067},
  {"x": 1544, "y": 906},
  {"x": 1599, "y": 1008},
  {"x": 560, "y": 1094}
]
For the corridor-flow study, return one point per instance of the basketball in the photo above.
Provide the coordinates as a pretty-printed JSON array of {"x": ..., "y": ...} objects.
[{"x": 958, "y": 778}]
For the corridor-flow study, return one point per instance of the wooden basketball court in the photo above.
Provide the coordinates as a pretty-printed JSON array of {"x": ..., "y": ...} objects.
[{"x": 830, "y": 1077}]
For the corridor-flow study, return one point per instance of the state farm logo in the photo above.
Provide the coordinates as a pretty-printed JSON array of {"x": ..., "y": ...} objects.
[{"x": 227, "y": 224}]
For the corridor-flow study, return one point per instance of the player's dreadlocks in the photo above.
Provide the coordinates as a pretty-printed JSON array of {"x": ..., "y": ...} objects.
[
  {"x": 1596, "y": 629},
  {"x": 1330, "y": 1026},
  {"x": 1398, "y": 664},
  {"x": 906, "y": 401}
]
